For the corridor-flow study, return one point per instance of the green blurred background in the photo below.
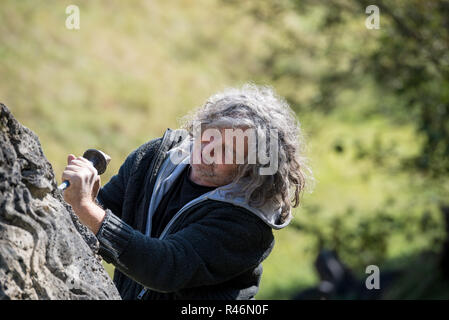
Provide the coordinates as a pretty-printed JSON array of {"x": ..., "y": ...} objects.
[{"x": 374, "y": 105}]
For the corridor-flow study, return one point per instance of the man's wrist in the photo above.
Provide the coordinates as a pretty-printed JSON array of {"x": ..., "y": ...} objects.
[{"x": 90, "y": 214}]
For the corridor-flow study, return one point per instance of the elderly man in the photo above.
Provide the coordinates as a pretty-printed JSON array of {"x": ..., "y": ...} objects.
[{"x": 190, "y": 215}]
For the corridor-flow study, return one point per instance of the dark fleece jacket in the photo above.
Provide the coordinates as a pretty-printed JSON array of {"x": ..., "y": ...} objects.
[{"x": 213, "y": 251}]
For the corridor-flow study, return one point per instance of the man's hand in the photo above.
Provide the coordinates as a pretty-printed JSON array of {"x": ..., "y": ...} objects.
[{"x": 82, "y": 191}]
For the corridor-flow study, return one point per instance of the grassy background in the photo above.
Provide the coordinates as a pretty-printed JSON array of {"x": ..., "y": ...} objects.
[{"x": 135, "y": 67}]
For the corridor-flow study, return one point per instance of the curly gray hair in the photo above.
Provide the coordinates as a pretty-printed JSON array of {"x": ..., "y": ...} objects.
[{"x": 259, "y": 107}]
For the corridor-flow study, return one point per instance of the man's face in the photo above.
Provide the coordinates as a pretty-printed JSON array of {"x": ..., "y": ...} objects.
[{"x": 209, "y": 163}]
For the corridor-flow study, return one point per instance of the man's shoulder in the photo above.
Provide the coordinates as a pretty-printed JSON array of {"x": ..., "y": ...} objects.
[
  {"x": 169, "y": 139},
  {"x": 143, "y": 155}
]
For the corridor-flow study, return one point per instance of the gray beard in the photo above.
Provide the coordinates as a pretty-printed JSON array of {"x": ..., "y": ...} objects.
[{"x": 207, "y": 173}]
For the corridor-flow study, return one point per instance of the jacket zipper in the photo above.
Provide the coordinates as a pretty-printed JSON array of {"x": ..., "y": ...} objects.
[
  {"x": 164, "y": 138},
  {"x": 153, "y": 166},
  {"x": 181, "y": 211},
  {"x": 167, "y": 227}
]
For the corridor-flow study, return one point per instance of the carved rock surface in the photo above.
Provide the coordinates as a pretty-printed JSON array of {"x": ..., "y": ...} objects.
[{"x": 45, "y": 253}]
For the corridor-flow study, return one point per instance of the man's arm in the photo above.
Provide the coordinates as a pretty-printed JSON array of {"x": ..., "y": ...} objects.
[
  {"x": 91, "y": 215},
  {"x": 84, "y": 185},
  {"x": 224, "y": 243}
]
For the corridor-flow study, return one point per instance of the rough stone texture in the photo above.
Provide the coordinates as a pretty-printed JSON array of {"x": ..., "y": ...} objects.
[{"x": 45, "y": 253}]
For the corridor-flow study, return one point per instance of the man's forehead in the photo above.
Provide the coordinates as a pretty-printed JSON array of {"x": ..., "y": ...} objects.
[
  {"x": 225, "y": 133},
  {"x": 223, "y": 128}
]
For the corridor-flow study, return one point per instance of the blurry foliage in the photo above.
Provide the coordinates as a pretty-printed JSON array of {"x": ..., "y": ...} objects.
[
  {"x": 408, "y": 58},
  {"x": 413, "y": 63},
  {"x": 405, "y": 67},
  {"x": 361, "y": 240}
]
